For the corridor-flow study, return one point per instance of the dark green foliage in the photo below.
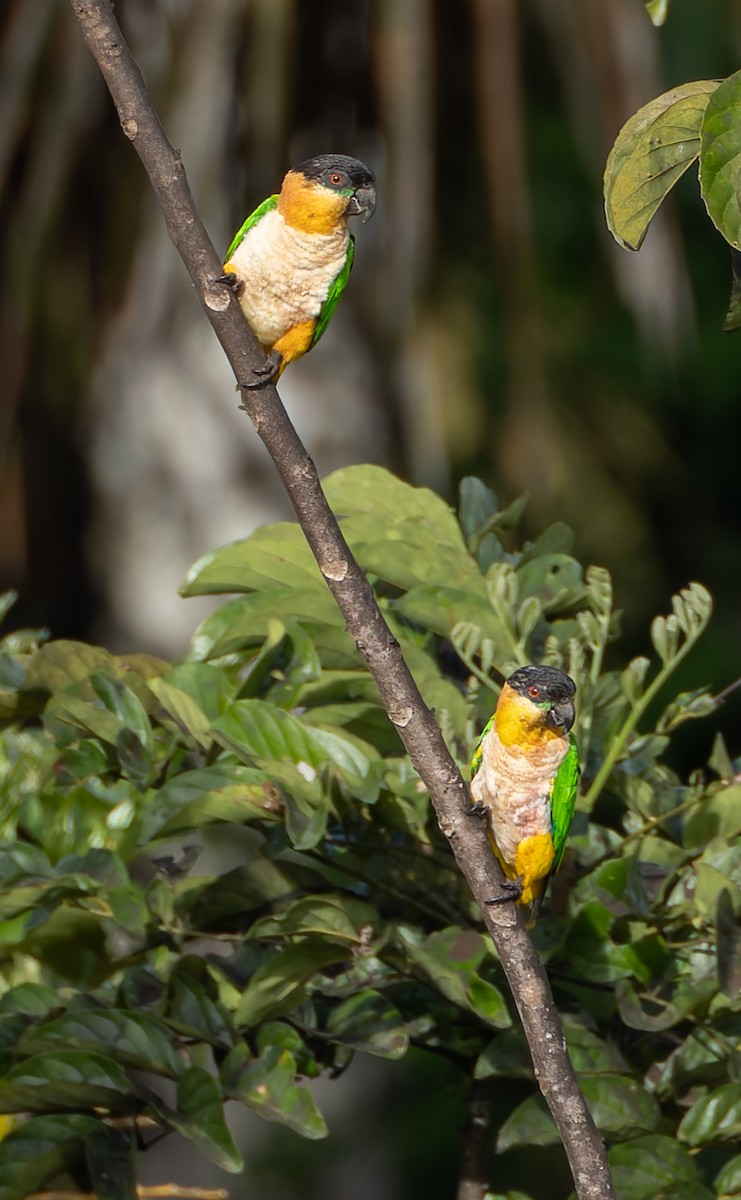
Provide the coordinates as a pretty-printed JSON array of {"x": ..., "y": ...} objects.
[{"x": 347, "y": 926}]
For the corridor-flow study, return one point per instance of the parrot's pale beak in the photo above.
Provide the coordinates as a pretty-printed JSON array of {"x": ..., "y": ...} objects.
[
  {"x": 363, "y": 202},
  {"x": 561, "y": 716}
]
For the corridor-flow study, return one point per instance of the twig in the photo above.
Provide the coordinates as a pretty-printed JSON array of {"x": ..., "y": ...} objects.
[
  {"x": 155, "y": 1192},
  {"x": 404, "y": 705},
  {"x": 473, "y": 1182}
]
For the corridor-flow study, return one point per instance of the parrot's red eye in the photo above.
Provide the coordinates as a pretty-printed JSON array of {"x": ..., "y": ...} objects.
[
  {"x": 336, "y": 179},
  {"x": 534, "y": 692}
]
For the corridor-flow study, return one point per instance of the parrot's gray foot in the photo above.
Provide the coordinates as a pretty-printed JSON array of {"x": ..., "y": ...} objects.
[
  {"x": 232, "y": 281},
  {"x": 266, "y": 373},
  {"x": 476, "y": 810},
  {"x": 510, "y": 893}
]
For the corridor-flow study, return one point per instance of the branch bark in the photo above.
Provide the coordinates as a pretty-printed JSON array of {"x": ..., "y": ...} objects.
[
  {"x": 352, "y": 592},
  {"x": 473, "y": 1183}
]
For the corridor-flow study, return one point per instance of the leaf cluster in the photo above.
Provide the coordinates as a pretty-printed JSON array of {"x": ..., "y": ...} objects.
[
  {"x": 148, "y": 981},
  {"x": 698, "y": 121}
]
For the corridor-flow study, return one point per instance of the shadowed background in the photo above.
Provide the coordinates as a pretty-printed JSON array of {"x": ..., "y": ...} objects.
[{"x": 490, "y": 327}]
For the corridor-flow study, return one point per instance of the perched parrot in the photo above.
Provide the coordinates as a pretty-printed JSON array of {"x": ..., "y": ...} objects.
[
  {"x": 290, "y": 261},
  {"x": 524, "y": 776}
]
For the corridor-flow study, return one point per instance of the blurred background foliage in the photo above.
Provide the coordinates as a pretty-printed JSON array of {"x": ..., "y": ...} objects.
[
  {"x": 223, "y": 881},
  {"x": 491, "y": 326}
]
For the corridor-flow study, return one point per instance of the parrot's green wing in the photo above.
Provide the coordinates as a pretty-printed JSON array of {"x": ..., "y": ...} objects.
[
  {"x": 563, "y": 799},
  {"x": 478, "y": 753},
  {"x": 266, "y": 207},
  {"x": 336, "y": 289}
]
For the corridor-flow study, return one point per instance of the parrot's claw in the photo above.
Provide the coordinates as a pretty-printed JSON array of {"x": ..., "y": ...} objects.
[
  {"x": 476, "y": 810},
  {"x": 232, "y": 281},
  {"x": 266, "y": 373},
  {"x": 511, "y": 892}
]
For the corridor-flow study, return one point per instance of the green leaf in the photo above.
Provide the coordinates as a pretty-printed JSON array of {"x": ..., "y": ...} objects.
[
  {"x": 658, "y": 10},
  {"x": 728, "y": 1181},
  {"x": 337, "y": 918},
  {"x": 713, "y": 1118},
  {"x": 588, "y": 1052},
  {"x": 633, "y": 678},
  {"x": 127, "y": 1037},
  {"x": 530, "y": 1124},
  {"x": 655, "y": 1011},
  {"x": 258, "y": 731},
  {"x": 194, "y": 1013},
  {"x": 652, "y": 151},
  {"x": 200, "y": 1118},
  {"x": 224, "y": 792},
  {"x": 448, "y": 959},
  {"x": 280, "y": 984},
  {"x": 477, "y": 506},
  {"x": 645, "y": 1168},
  {"x": 39, "y": 1149},
  {"x": 368, "y": 1021},
  {"x": 718, "y": 816},
  {"x": 370, "y": 499},
  {"x": 702, "y": 1059},
  {"x": 268, "y": 1085},
  {"x": 250, "y": 620},
  {"x": 64, "y": 1079},
  {"x": 507, "y": 1056},
  {"x": 620, "y": 1106},
  {"x": 58, "y": 665},
  {"x": 720, "y": 159},
  {"x": 273, "y": 554},
  {"x": 124, "y": 704}
]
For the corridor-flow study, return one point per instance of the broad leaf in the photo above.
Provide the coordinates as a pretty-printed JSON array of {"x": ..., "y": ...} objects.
[
  {"x": 651, "y": 152},
  {"x": 268, "y": 1085},
  {"x": 713, "y": 1118}
]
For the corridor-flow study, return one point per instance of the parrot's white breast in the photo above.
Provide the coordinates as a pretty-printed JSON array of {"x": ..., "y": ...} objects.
[
  {"x": 286, "y": 274},
  {"x": 514, "y": 784}
]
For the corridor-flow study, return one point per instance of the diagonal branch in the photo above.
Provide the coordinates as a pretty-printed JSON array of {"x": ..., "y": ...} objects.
[{"x": 351, "y": 590}]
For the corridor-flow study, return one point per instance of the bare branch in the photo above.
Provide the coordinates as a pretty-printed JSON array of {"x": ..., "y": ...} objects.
[
  {"x": 472, "y": 1181},
  {"x": 403, "y": 703},
  {"x": 161, "y": 1191}
]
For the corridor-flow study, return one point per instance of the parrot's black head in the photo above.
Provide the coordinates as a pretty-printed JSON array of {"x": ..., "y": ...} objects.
[
  {"x": 550, "y": 690},
  {"x": 345, "y": 176}
]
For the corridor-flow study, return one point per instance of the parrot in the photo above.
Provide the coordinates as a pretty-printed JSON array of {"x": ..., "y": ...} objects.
[
  {"x": 524, "y": 778},
  {"x": 290, "y": 261}
]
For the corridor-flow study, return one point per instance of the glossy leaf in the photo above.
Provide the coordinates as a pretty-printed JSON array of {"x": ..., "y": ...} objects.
[
  {"x": 728, "y": 1181},
  {"x": 713, "y": 1118},
  {"x": 648, "y": 1166},
  {"x": 64, "y": 1079},
  {"x": 127, "y": 1037}
]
